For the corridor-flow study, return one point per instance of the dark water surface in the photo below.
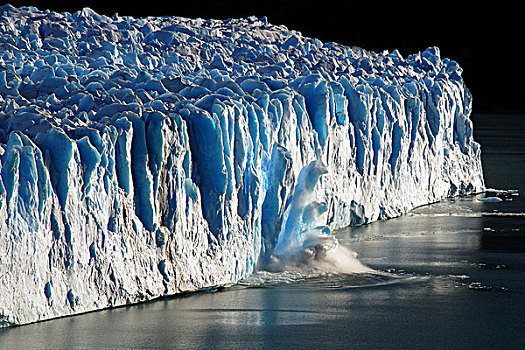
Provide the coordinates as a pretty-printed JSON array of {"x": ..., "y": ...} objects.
[{"x": 451, "y": 276}]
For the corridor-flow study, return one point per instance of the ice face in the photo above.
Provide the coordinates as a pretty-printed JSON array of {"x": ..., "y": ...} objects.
[{"x": 144, "y": 157}]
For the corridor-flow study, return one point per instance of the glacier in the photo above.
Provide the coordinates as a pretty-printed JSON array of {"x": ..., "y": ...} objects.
[{"x": 143, "y": 157}]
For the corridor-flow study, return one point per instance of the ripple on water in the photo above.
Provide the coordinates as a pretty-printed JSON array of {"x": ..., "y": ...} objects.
[{"x": 315, "y": 280}]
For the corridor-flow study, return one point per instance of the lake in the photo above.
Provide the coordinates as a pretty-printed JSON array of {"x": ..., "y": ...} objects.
[{"x": 450, "y": 275}]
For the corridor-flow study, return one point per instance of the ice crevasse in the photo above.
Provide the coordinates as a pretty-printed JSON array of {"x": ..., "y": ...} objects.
[{"x": 142, "y": 157}]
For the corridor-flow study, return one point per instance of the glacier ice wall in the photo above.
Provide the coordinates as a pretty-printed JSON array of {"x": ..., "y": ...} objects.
[{"x": 144, "y": 157}]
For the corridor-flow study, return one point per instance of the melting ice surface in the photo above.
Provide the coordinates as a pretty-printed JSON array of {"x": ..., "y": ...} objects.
[{"x": 142, "y": 157}]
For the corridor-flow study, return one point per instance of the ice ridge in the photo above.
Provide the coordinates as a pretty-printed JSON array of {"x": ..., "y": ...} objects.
[{"x": 141, "y": 157}]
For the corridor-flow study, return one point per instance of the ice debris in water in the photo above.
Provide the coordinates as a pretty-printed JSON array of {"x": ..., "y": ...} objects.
[
  {"x": 490, "y": 199},
  {"x": 141, "y": 157},
  {"x": 478, "y": 286}
]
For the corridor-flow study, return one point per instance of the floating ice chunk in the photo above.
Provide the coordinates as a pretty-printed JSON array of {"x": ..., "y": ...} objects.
[{"x": 490, "y": 199}]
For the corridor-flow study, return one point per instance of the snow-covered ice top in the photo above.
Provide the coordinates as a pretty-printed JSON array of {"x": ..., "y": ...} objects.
[{"x": 140, "y": 157}]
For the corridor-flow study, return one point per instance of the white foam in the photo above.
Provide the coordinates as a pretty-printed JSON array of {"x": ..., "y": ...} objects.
[{"x": 320, "y": 253}]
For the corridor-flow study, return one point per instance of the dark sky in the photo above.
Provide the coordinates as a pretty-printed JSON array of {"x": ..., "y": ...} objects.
[{"x": 485, "y": 37}]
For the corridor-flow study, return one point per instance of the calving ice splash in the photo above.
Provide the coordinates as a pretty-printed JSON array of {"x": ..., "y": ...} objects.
[
  {"x": 142, "y": 157},
  {"x": 304, "y": 242}
]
